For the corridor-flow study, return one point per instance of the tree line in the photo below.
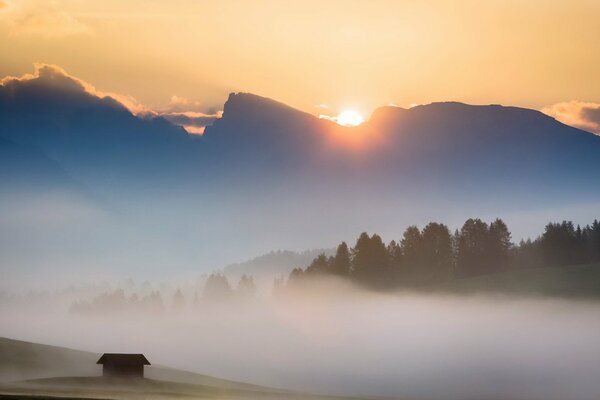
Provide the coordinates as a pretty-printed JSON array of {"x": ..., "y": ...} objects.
[
  {"x": 216, "y": 290},
  {"x": 434, "y": 254}
]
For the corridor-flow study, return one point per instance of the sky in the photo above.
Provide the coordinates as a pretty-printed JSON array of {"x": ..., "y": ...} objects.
[{"x": 319, "y": 56}]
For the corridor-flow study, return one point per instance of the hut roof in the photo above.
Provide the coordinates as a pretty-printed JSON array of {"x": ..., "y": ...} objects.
[{"x": 123, "y": 359}]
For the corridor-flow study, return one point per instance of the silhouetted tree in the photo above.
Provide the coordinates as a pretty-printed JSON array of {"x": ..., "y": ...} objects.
[
  {"x": 498, "y": 246},
  {"x": 435, "y": 253},
  {"x": 217, "y": 288},
  {"x": 559, "y": 243},
  {"x": 395, "y": 255},
  {"x": 472, "y": 251},
  {"x": 320, "y": 265},
  {"x": 593, "y": 241},
  {"x": 340, "y": 264},
  {"x": 370, "y": 264},
  {"x": 410, "y": 247},
  {"x": 527, "y": 254},
  {"x": 296, "y": 274},
  {"x": 246, "y": 286}
]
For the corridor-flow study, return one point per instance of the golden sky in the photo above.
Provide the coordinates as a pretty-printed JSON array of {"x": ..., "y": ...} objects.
[{"x": 343, "y": 54}]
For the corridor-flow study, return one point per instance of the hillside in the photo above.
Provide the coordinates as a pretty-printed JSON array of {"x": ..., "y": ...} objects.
[
  {"x": 37, "y": 371},
  {"x": 575, "y": 281},
  {"x": 20, "y": 360},
  {"x": 275, "y": 264},
  {"x": 99, "y": 387}
]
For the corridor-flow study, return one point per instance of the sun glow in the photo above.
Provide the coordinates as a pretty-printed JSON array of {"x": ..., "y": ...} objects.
[{"x": 350, "y": 118}]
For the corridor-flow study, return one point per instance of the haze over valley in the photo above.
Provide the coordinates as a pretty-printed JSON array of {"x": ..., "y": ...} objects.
[
  {"x": 134, "y": 194},
  {"x": 316, "y": 200}
]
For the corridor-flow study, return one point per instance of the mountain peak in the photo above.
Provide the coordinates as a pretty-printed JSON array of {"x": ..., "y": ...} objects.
[
  {"x": 247, "y": 111},
  {"x": 247, "y": 104}
]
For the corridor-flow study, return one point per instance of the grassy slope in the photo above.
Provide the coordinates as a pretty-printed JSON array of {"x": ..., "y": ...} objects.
[
  {"x": 578, "y": 281},
  {"x": 44, "y": 372},
  {"x": 21, "y": 360},
  {"x": 99, "y": 387}
]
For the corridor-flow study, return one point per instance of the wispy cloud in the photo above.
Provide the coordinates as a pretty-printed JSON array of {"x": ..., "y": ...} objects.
[
  {"x": 580, "y": 114},
  {"x": 193, "y": 121},
  {"x": 43, "y": 19},
  {"x": 328, "y": 117}
]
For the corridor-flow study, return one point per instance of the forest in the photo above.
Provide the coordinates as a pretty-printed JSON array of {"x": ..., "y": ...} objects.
[
  {"x": 421, "y": 258},
  {"x": 434, "y": 254}
]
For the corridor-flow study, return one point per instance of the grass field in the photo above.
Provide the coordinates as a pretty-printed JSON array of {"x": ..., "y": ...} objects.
[
  {"x": 143, "y": 388},
  {"x": 100, "y": 387},
  {"x": 20, "y": 360},
  {"x": 575, "y": 281},
  {"x": 37, "y": 371}
]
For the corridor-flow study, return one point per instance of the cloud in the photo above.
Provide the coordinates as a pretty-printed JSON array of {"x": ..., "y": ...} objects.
[
  {"x": 182, "y": 104},
  {"x": 54, "y": 76},
  {"x": 193, "y": 121},
  {"x": 179, "y": 110},
  {"x": 192, "y": 115},
  {"x": 45, "y": 19},
  {"x": 328, "y": 117},
  {"x": 580, "y": 114}
]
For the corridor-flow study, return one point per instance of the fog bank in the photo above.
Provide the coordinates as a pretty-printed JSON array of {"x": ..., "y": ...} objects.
[{"x": 352, "y": 342}]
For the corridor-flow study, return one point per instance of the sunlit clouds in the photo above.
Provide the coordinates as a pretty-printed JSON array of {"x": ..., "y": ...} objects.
[
  {"x": 193, "y": 115},
  {"x": 309, "y": 53},
  {"x": 54, "y": 75},
  {"x": 580, "y": 114},
  {"x": 193, "y": 121},
  {"x": 179, "y": 110},
  {"x": 345, "y": 118},
  {"x": 40, "y": 19}
]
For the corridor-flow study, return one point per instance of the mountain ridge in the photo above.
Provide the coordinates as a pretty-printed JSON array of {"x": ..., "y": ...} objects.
[{"x": 264, "y": 168}]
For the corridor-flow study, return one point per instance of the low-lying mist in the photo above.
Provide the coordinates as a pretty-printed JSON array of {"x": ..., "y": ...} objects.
[
  {"x": 57, "y": 237},
  {"x": 342, "y": 340}
]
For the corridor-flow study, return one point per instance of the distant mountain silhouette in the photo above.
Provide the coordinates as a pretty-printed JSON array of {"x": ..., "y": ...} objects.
[
  {"x": 95, "y": 139},
  {"x": 98, "y": 141},
  {"x": 498, "y": 141},
  {"x": 266, "y": 175},
  {"x": 447, "y": 143},
  {"x": 272, "y": 265},
  {"x": 257, "y": 135},
  {"x": 26, "y": 170}
]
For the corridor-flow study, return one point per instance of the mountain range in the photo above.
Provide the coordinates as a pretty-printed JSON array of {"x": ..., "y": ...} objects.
[{"x": 265, "y": 175}]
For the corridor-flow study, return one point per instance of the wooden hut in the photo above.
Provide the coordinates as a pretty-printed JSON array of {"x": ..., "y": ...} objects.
[{"x": 123, "y": 365}]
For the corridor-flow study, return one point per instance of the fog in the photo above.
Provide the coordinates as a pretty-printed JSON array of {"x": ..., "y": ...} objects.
[
  {"x": 336, "y": 339},
  {"x": 59, "y": 237}
]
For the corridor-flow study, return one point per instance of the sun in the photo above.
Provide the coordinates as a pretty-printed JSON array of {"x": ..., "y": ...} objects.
[{"x": 349, "y": 118}]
